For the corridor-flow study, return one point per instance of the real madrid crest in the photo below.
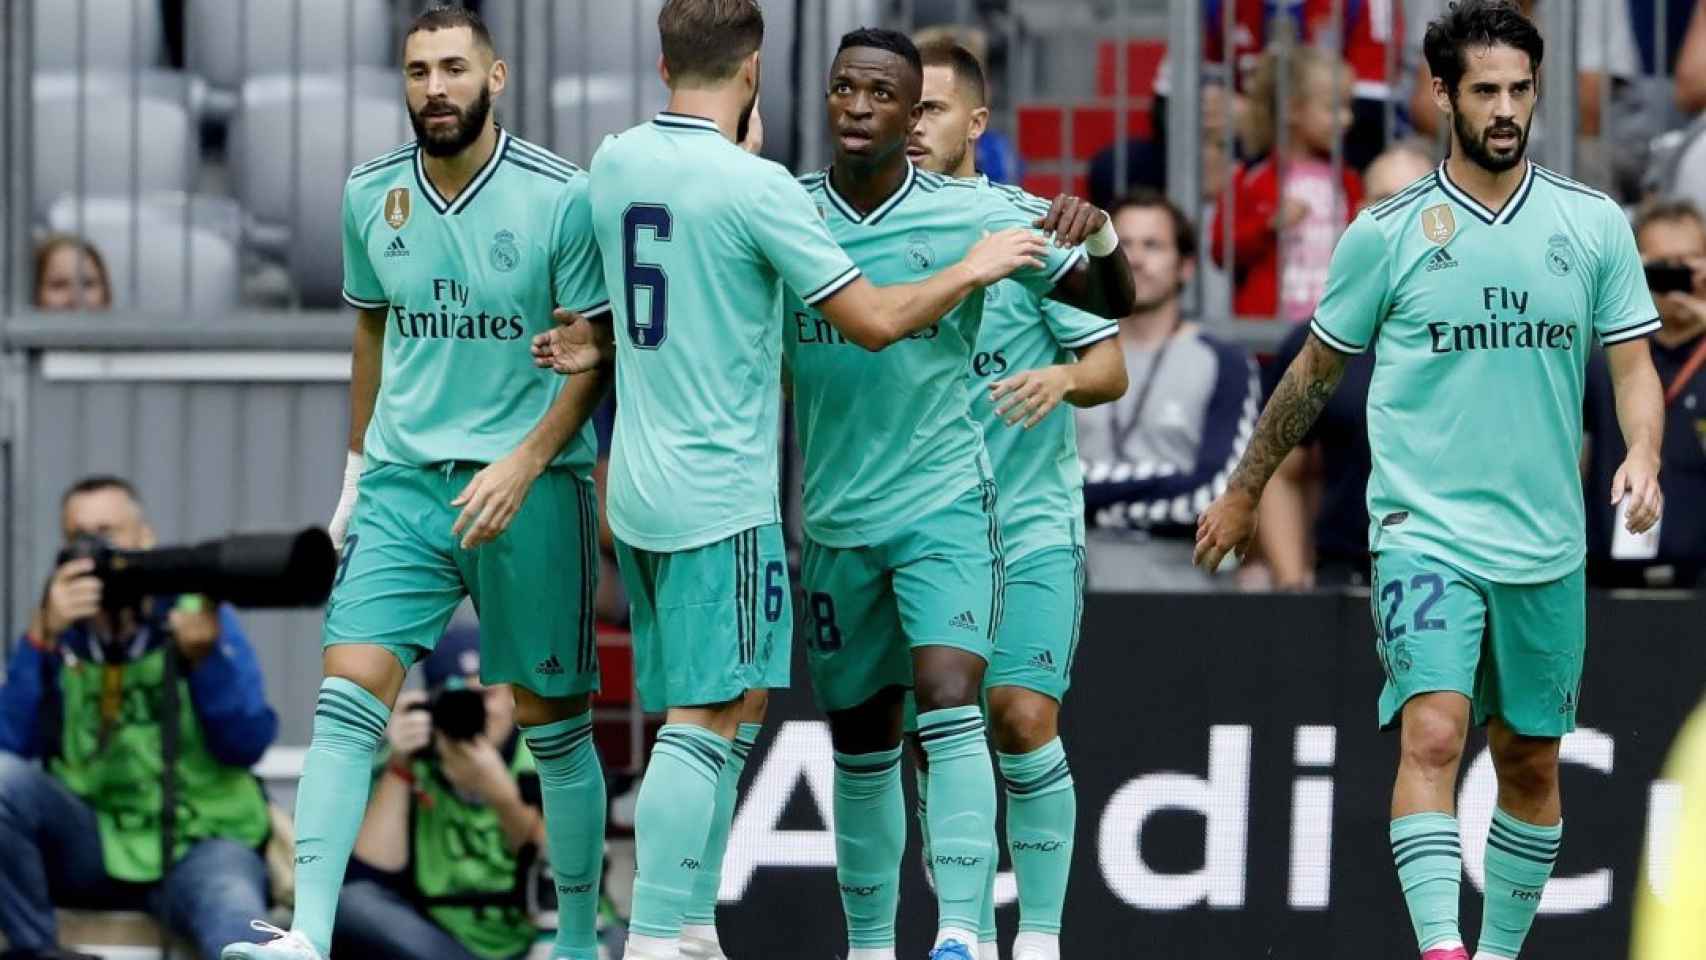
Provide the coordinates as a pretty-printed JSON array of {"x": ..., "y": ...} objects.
[
  {"x": 397, "y": 207},
  {"x": 919, "y": 255},
  {"x": 1438, "y": 224},
  {"x": 505, "y": 253},
  {"x": 1559, "y": 257}
]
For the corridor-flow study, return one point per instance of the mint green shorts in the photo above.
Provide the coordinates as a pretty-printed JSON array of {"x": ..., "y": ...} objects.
[
  {"x": 712, "y": 622},
  {"x": 1515, "y": 650},
  {"x": 938, "y": 581},
  {"x": 1038, "y": 638},
  {"x": 403, "y": 574}
]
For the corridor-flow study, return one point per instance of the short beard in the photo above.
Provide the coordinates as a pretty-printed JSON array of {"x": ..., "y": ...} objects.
[
  {"x": 952, "y": 161},
  {"x": 470, "y": 123},
  {"x": 1476, "y": 149}
]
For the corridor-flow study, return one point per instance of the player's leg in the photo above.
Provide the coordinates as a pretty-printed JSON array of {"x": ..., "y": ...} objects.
[
  {"x": 859, "y": 666},
  {"x": 1028, "y": 678},
  {"x": 535, "y": 588},
  {"x": 948, "y": 588},
  {"x": 699, "y": 939},
  {"x": 1429, "y": 621},
  {"x": 1536, "y": 639},
  {"x": 987, "y": 947},
  {"x": 395, "y": 589}
]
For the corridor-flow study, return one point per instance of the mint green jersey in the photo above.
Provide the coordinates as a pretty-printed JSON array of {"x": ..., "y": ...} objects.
[
  {"x": 699, "y": 237},
  {"x": 465, "y": 284},
  {"x": 1481, "y": 322},
  {"x": 888, "y": 436}
]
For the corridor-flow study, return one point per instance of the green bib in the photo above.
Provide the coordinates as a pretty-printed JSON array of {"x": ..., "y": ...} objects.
[
  {"x": 458, "y": 850},
  {"x": 120, "y": 778}
]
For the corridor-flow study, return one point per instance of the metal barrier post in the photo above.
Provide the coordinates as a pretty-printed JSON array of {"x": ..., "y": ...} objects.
[
  {"x": 1184, "y": 119},
  {"x": 1558, "y": 95}
]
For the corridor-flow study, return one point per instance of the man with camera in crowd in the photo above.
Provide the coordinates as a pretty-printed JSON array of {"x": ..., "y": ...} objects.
[
  {"x": 86, "y": 692},
  {"x": 454, "y": 826}
]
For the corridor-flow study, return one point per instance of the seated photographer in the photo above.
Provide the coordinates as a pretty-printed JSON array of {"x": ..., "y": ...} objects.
[
  {"x": 83, "y": 695},
  {"x": 454, "y": 825}
]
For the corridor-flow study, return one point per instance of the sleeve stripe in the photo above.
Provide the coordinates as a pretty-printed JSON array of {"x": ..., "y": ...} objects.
[
  {"x": 1633, "y": 331},
  {"x": 1071, "y": 262},
  {"x": 596, "y": 310},
  {"x": 832, "y": 287},
  {"x": 362, "y": 304},
  {"x": 1336, "y": 343},
  {"x": 1095, "y": 336}
]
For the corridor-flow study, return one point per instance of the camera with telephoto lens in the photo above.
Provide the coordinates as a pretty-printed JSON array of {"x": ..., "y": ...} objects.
[{"x": 458, "y": 713}]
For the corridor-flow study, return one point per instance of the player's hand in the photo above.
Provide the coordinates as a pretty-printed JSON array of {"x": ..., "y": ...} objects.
[
  {"x": 410, "y": 729},
  {"x": 754, "y": 142},
  {"x": 1031, "y": 395},
  {"x": 1227, "y": 526},
  {"x": 1071, "y": 220},
  {"x": 574, "y": 345},
  {"x": 1638, "y": 480},
  {"x": 1001, "y": 253},
  {"x": 491, "y": 500},
  {"x": 73, "y": 594},
  {"x": 195, "y": 625}
]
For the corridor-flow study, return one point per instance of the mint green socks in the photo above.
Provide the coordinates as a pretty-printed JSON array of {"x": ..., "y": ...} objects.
[
  {"x": 1519, "y": 862},
  {"x": 672, "y": 821},
  {"x": 961, "y": 813},
  {"x": 702, "y": 906},
  {"x": 1042, "y": 817},
  {"x": 571, "y": 786},
  {"x": 870, "y": 840},
  {"x": 1429, "y": 858},
  {"x": 331, "y": 799}
]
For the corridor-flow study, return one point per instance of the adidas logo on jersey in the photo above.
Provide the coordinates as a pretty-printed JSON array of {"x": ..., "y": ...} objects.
[
  {"x": 549, "y": 667},
  {"x": 1441, "y": 260},
  {"x": 1043, "y": 661},
  {"x": 965, "y": 621},
  {"x": 395, "y": 248}
]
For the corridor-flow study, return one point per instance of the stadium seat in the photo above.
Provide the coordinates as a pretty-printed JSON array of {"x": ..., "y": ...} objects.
[
  {"x": 290, "y": 156},
  {"x": 123, "y": 137},
  {"x": 545, "y": 41},
  {"x": 228, "y": 41},
  {"x": 583, "y": 114},
  {"x": 104, "y": 34},
  {"x": 144, "y": 243},
  {"x": 1687, "y": 180}
]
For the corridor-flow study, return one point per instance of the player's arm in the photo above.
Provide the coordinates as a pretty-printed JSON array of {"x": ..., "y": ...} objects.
[
  {"x": 1098, "y": 376},
  {"x": 1641, "y": 414},
  {"x": 1283, "y": 528},
  {"x": 1103, "y": 286}
]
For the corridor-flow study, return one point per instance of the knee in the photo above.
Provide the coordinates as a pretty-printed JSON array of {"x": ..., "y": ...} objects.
[
  {"x": 1022, "y": 720},
  {"x": 754, "y": 706},
  {"x": 1432, "y": 739},
  {"x": 532, "y": 710},
  {"x": 943, "y": 689},
  {"x": 1528, "y": 768}
]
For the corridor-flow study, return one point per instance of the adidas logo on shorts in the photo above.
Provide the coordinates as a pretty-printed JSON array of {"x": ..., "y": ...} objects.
[
  {"x": 1043, "y": 661},
  {"x": 549, "y": 667},
  {"x": 1441, "y": 260},
  {"x": 965, "y": 621}
]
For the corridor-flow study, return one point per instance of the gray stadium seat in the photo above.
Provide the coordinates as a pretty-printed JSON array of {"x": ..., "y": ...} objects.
[
  {"x": 145, "y": 244},
  {"x": 106, "y": 34},
  {"x": 121, "y": 138},
  {"x": 583, "y": 120},
  {"x": 1687, "y": 179},
  {"x": 544, "y": 41},
  {"x": 227, "y": 41},
  {"x": 289, "y": 159}
]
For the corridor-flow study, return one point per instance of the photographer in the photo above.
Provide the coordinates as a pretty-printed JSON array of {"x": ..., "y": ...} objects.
[
  {"x": 453, "y": 826},
  {"x": 83, "y": 695}
]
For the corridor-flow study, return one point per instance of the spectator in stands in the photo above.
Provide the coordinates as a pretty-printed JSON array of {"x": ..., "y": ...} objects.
[
  {"x": 1287, "y": 210},
  {"x": 1674, "y": 552},
  {"x": 453, "y": 826},
  {"x": 997, "y": 156},
  {"x": 1314, "y": 515},
  {"x": 1154, "y": 458},
  {"x": 70, "y": 275},
  {"x": 1691, "y": 64},
  {"x": 83, "y": 696}
]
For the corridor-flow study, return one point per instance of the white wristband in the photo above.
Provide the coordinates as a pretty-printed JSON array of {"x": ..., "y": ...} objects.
[
  {"x": 346, "y": 499},
  {"x": 1103, "y": 241}
]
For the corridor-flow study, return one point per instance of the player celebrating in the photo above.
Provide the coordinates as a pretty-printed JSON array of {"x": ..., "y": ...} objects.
[
  {"x": 1480, "y": 286},
  {"x": 693, "y": 472},
  {"x": 1024, "y": 355},
  {"x": 903, "y": 560},
  {"x": 477, "y": 468}
]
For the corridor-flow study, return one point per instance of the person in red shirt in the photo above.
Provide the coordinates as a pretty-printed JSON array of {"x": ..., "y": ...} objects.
[{"x": 1286, "y": 209}]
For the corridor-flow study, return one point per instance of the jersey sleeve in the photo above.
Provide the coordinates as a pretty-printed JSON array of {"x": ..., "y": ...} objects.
[
  {"x": 1003, "y": 211},
  {"x": 362, "y": 289},
  {"x": 1359, "y": 289},
  {"x": 1622, "y": 306},
  {"x": 1074, "y": 329},
  {"x": 577, "y": 273},
  {"x": 786, "y": 229}
]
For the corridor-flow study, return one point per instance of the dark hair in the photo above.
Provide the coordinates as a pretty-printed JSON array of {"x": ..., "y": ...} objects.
[
  {"x": 446, "y": 16},
  {"x": 1668, "y": 210},
  {"x": 968, "y": 72},
  {"x": 1478, "y": 23},
  {"x": 706, "y": 40},
  {"x": 893, "y": 41},
  {"x": 59, "y": 241},
  {"x": 1147, "y": 198},
  {"x": 95, "y": 483}
]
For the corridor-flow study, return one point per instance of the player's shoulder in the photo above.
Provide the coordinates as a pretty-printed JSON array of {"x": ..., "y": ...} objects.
[
  {"x": 1387, "y": 218},
  {"x": 380, "y": 172},
  {"x": 1004, "y": 196},
  {"x": 1573, "y": 192},
  {"x": 538, "y": 167}
]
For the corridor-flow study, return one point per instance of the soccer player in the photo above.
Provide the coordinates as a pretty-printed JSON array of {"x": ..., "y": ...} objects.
[
  {"x": 903, "y": 562},
  {"x": 698, "y": 238},
  {"x": 1480, "y": 287},
  {"x": 1022, "y": 370},
  {"x": 473, "y": 468}
]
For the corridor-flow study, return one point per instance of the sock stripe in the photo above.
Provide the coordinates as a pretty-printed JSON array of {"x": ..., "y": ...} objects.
[
  {"x": 366, "y": 712},
  {"x": 1431, "y": 845},
  {"x": 691, "y": 749},
  {"x": 1447, "y": 852},
  {"x": 1057, "y": 773},
  {"x": 1531, "y": 844},
  {"x": 859, "y": 767},
  {"x": 362, "y": 725},
  {"x": 1400, "y": 846},
  {"x": 952, "y": 728},
  {"x": 557, "y": 739},
  {"x": 1543, "y": 860},
  {"x": 557, "y": 751}
]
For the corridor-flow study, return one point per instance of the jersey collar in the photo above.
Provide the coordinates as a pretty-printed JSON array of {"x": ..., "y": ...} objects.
[
  {"x": 449, "y": 207},
  {"x": 685, "y": 121},
  {"x": 1504, "y": 214},
  {"x": 847, "y": 210}
]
